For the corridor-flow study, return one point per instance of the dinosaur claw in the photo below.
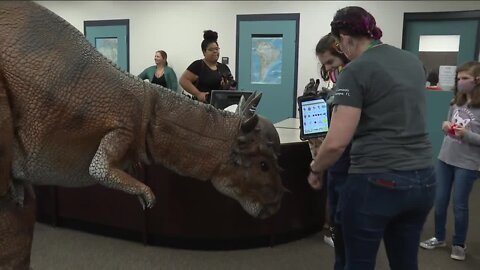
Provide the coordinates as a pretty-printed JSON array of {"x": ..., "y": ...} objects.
[
  {"x": 142, "y": 202},
  {"x": 151, "y": 202},
  {"x": 147, "y": 199}
]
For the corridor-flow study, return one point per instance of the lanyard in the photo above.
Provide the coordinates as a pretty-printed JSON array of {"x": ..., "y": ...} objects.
[
  {"x": 334, "y": 74},
  {"x": 374, "y": 43}
]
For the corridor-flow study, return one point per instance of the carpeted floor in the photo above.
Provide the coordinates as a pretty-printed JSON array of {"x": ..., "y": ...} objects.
[{"x": 59, "y": 248}]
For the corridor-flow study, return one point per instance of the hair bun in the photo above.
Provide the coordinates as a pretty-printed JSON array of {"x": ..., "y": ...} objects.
[
  {"x": 355, "y": 21},
  {"x": 377, "y": 33},
  {"x": 210, "y": 35}
]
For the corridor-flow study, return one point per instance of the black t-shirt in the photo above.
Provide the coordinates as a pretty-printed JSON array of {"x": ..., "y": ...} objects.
[
  {"x": 209, "y": 79},
  {"x": 161, "y": 81}
]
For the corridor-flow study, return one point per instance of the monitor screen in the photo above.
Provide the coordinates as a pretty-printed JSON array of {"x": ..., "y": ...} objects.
[
  {"x": 313, "y": 117},
  {"x": 221, "y": 99}
]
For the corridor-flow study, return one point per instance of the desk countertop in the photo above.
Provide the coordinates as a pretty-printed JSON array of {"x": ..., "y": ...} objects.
[
  {"x": 288, "y": 123},
  {"x": 289, "y": 130}
]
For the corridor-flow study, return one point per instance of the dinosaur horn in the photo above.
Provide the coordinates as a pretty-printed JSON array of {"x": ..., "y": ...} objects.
[
  {"x": 241, "y": 104},
  {"x": 248, "y": 111},
  {"x": 251, "y": 104}
]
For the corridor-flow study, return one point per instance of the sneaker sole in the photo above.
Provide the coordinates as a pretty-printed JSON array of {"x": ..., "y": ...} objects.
[
  {"x": 458, "y": 258},
  {"x": 328, "y": 242},
  {"x": 431, "y": 247}
]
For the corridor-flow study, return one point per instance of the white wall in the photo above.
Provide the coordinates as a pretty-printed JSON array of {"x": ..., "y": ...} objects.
[{"x": 177, "y": 26}]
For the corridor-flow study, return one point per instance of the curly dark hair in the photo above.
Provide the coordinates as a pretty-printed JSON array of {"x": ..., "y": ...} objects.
[
  {"x": 209, "y": 37},
  {"x": 356, "y": 22}
]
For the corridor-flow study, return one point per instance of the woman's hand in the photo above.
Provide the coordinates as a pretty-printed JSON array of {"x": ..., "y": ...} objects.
[
  {"x": 202, "y": 96},
  {"x": 224, "y": 84},
  {"x": 315, "y": 178}
]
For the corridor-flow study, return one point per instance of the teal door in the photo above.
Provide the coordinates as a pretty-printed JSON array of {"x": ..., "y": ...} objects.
[
  {"x": 467, "y": 30},
  {"x": 111, "y": 39},
  {"x": 267, "y": 55},
  {"x": 462, "y": 26},
  {"x": 437, "y": 109}
]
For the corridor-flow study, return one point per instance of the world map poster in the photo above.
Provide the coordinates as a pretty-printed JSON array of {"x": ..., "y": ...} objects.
[
  {"x": 108, "y": 47},
  {"x": 266, "y": 60}
]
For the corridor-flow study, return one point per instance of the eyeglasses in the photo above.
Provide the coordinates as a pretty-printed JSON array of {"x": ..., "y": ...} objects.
[{"x": 213, "y": 49}]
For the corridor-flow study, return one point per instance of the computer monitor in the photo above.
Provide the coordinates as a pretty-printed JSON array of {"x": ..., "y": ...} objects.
[{"x": 221, "y": 99}]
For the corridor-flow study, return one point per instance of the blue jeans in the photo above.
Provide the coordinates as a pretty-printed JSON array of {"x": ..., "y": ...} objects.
[
  {"x": 335, "y": 183},
  {"x": 393, "y": 206},
  {"x": 462, "y": 182}
]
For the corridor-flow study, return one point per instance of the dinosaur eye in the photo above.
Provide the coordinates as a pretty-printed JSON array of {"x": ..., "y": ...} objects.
[{"x": 263, "y": 166}]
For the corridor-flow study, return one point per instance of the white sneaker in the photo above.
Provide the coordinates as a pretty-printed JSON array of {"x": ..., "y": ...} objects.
[
  {"x": 432, "y": 243},
  {"x": 458, "y": 253},
  {"x": 328, "y": 240}
]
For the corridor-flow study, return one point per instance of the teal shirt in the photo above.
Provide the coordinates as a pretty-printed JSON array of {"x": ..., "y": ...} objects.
[{"x": 170, "y": 76}]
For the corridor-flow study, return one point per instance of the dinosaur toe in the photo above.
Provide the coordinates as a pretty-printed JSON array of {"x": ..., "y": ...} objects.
[{"x": 148, "y": 198}]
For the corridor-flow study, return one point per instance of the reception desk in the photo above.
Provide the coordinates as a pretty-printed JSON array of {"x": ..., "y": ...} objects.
[{"x": 190, "y": 213}]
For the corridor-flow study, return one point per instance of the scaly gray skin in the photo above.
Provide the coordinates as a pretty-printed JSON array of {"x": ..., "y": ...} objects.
[{"x": 77, "y": 120}]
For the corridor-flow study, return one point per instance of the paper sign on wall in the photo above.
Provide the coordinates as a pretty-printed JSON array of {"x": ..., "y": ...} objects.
[{"x": 446, "y": 77}]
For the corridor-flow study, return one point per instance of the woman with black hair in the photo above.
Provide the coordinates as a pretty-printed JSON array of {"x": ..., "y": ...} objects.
[
  {"x": 207, "y": 74},
  {"x": 380, "y": 107}
]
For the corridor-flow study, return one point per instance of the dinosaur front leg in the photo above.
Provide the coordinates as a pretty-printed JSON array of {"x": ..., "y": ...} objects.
[
  {"x": 105, "y": 167},
  {"x": 16, "y": 231},
  {"x": 6, "y": 142}
]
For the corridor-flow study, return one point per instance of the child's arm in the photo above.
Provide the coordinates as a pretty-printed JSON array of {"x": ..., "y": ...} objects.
[{"x": 471, "y": 137}]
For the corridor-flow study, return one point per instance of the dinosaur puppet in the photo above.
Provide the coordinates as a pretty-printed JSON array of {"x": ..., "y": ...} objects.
[{"x": 68, "y": 117}]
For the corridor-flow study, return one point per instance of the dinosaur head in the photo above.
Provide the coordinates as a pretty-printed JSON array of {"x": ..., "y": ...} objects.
[{"x": 252, "y": 175}]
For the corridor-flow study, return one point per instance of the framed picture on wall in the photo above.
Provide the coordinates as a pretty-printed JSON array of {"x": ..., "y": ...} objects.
[{"x": 111, "y": 39}]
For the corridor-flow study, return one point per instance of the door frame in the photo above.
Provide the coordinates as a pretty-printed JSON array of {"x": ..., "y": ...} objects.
[
  {"x": 442, "y": 16},
  {"x": 121, "y": 22},
  {"x": 272, "y": 17}
]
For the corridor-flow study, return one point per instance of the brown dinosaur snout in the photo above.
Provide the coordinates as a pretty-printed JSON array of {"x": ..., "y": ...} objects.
[{"x": 252, "y": 176}]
